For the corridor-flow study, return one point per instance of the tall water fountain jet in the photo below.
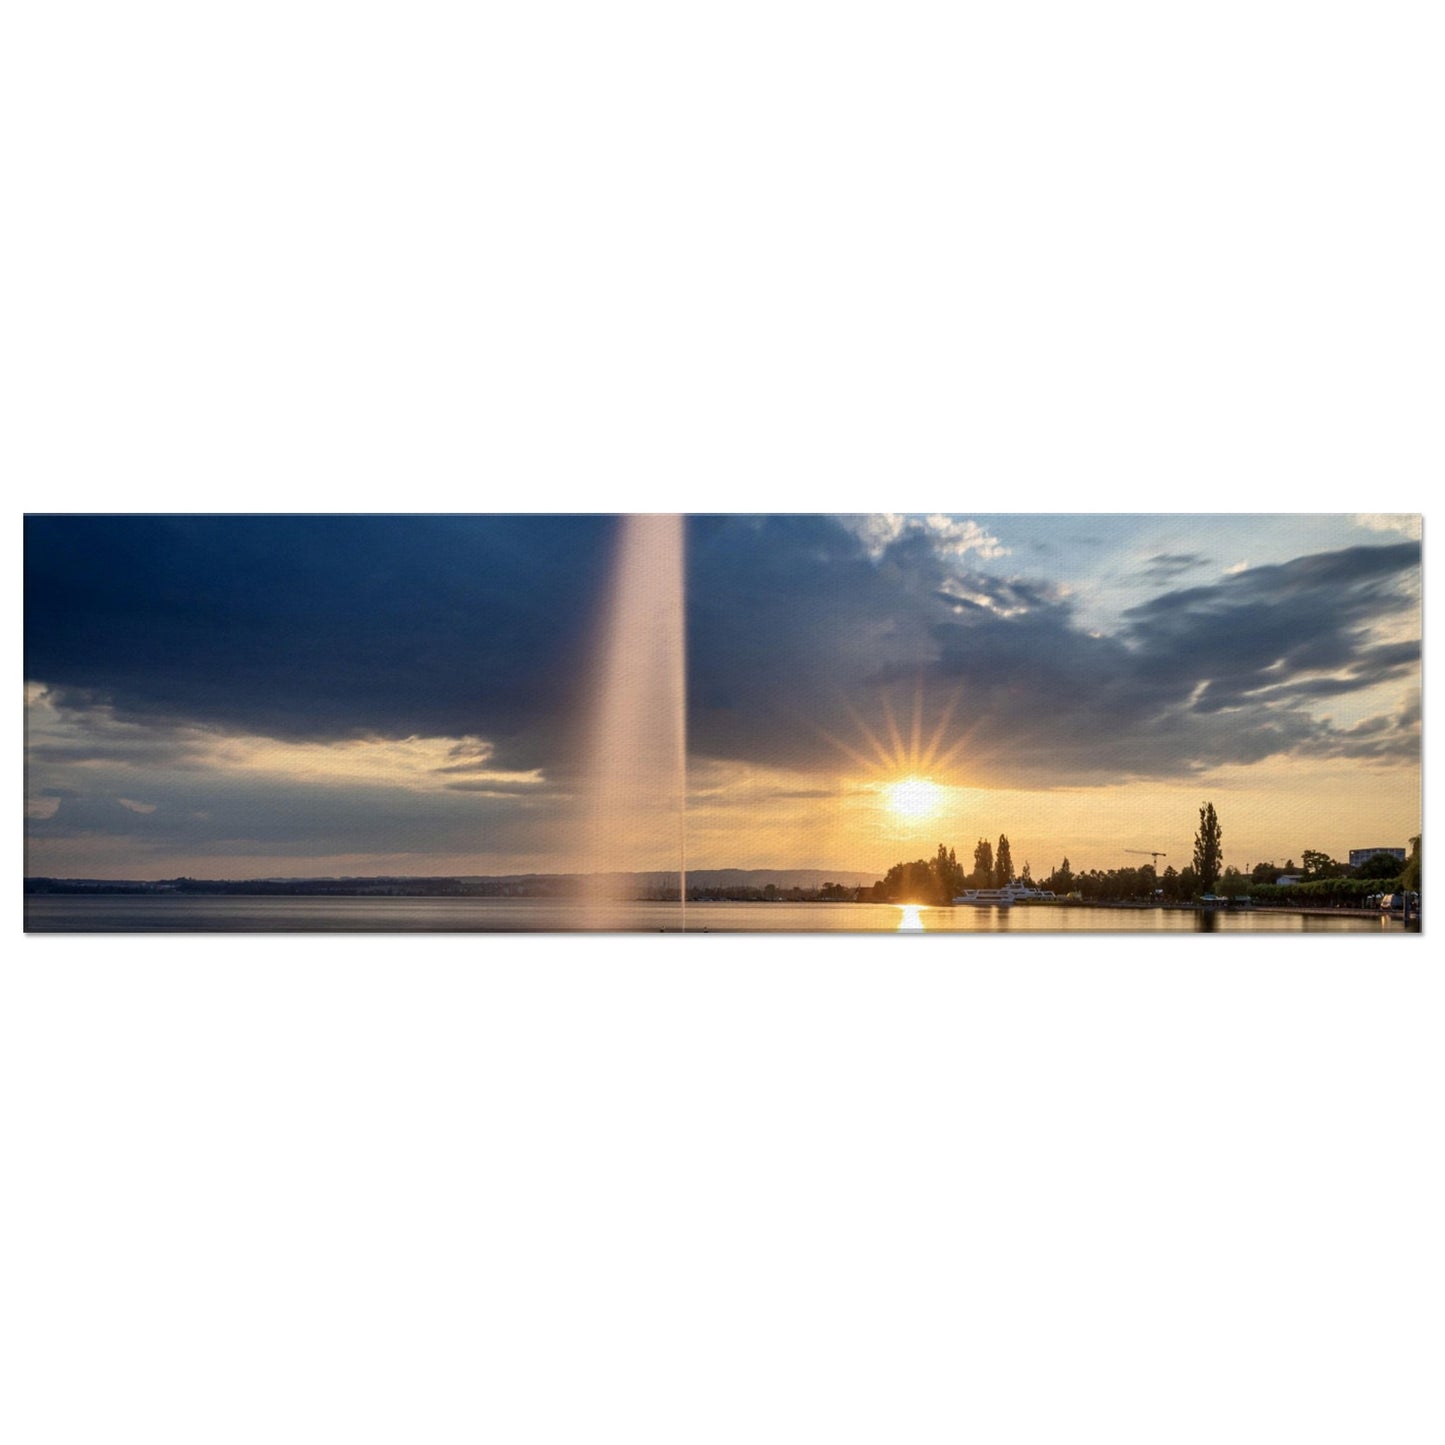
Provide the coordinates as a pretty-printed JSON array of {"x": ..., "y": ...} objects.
[{"x": 635, "y": 780}]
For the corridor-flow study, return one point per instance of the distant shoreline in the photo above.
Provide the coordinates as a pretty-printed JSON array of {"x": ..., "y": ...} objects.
[
  {"x": 565, "y": 888},
  {"x": 651, "y": 885}
]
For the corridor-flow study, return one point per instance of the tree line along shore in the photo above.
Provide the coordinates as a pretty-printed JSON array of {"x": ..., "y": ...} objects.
[{"x": 1318, "y": 880}]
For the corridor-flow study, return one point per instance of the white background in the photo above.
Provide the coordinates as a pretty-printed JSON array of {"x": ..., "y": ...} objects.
[{"x": 783, "y": 256}]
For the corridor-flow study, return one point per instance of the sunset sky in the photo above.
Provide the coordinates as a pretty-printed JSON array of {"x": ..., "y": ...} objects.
[{"x": 295, "y": 695}]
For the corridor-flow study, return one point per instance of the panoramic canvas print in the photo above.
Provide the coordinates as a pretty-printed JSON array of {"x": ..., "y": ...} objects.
[{"x": 942, "y": 723}]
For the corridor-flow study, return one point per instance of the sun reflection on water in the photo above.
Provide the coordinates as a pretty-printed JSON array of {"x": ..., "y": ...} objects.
[{"x": 912, "y": 919}]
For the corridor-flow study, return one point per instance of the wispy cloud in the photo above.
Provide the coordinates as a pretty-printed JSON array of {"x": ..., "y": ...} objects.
[
  {"x": 1167, "y": 566},
  {"x": 1407, "y": 524}
]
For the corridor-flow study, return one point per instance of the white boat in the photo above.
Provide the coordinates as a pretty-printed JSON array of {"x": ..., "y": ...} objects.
[
  {"x": 987, "y": 897},
  {"x": 1000, "y": 897}
]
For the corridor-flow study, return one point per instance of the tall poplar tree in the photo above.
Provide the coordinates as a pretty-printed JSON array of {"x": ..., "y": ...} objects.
[
  {"x": 1003, "y": 868},
  {"x": 1208, "y": 850}
]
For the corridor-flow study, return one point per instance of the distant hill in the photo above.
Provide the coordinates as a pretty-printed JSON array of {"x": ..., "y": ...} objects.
[
  {"x": 555, "y": 884},
  {"x": 783, "y": 877}
]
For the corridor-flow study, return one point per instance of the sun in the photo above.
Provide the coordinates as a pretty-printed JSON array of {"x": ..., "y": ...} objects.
[{"x": 914, "y": 798}]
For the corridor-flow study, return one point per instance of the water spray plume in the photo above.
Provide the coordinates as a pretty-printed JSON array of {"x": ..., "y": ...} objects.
[{"x": 635, "y": 782}]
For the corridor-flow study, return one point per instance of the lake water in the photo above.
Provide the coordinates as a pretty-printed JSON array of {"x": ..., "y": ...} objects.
[{"x": 170, "y": 913}]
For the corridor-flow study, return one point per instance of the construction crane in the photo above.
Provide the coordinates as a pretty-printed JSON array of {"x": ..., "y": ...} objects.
[{"x": 1156, "y": 854}]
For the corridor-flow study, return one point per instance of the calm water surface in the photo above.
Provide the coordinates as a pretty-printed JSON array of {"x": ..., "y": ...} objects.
[{"x": 162, "y": 913}]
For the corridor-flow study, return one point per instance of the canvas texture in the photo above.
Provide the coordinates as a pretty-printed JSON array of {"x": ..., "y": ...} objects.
[{"x": 923, "y": 724}]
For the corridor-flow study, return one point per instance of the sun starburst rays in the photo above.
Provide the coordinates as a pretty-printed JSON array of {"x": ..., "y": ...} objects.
[{"x": 910, "y": 760}]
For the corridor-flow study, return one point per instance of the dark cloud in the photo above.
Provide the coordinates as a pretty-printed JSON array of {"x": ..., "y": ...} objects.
[
  {"x": 318, "y": 627},
  {"x": 801, "y": 642},
  {"x": 1371, "y": 666},
  {"x": 1268, "y": 625},
  {"x": 1193, "y": 679}
]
